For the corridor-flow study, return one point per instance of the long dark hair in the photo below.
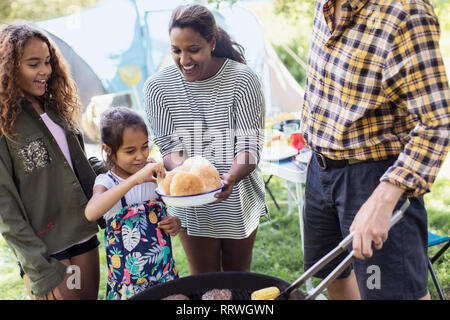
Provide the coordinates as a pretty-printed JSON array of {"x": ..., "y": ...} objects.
[
  {"x": 112, "y": 125},
  {"x": 61, "y": 90},
  {"x": 202, "y": 20}
]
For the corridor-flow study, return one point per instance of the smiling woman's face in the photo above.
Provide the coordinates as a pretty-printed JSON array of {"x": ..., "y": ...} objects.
[{"x": 192, "y": 54}]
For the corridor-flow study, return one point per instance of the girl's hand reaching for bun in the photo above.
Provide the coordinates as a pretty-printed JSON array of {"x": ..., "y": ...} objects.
[{"x": 150, "y": 172}]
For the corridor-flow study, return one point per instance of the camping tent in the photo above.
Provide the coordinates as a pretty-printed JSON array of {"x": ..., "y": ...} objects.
[{"x": 115, "y": 45}]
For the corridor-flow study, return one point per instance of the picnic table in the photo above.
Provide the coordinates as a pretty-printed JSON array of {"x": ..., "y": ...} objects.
[{"x": 292, "y": 172}]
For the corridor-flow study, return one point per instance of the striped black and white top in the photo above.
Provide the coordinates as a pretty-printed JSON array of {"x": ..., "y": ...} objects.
[{"x": 217, "y": 118}]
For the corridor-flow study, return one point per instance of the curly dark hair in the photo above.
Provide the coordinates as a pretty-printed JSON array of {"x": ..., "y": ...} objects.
[{"x": 61, "y": 93}]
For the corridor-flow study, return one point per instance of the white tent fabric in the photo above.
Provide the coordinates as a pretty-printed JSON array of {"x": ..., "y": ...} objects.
[{"x": 117, "y": 44}]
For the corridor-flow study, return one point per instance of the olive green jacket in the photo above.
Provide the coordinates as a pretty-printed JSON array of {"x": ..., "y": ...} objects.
[{"x": 42, "y": 199}]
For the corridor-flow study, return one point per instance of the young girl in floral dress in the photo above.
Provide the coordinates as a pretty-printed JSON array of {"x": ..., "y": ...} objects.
[{"x": 137, "y": 241}]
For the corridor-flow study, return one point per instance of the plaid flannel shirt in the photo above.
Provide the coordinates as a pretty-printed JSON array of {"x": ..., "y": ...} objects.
[{"x": 376, "y": 87}]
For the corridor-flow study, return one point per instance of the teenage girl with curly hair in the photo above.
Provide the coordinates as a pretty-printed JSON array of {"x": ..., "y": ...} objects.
[{"x": 45, "y": 178}]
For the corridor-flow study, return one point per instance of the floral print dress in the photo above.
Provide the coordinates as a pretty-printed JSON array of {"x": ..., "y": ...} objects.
[{"x": 138, "y": 253}]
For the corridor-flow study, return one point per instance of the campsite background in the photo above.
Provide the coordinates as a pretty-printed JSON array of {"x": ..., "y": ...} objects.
[{"x": 287, "y": 26}]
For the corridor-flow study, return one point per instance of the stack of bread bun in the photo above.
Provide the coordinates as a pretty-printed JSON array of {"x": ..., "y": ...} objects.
[{"x": 196, "y": 175}]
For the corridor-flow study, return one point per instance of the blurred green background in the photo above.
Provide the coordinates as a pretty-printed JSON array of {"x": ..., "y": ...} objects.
[{"x": 287, "y": 25}]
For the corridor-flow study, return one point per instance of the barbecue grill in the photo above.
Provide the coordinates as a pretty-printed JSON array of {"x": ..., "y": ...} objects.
[{"x": 242, "y": 284}]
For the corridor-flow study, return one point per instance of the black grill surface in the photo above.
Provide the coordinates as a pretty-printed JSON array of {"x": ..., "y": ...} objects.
[{"x": 241, "y": 284}]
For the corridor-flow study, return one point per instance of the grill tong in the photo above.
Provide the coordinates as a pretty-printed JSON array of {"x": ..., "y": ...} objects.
[{"x": 342, "y": 246}]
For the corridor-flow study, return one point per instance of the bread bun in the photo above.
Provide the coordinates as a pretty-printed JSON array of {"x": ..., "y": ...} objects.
[
  {"x": 196, "y": 175},
  {"x": 184, "y": 167},
  {"x": 167, "y": 181},
  {"x": 196, "y": 160},
  {"x": 208, "y": 174},
  {"x": 169, "y": 176},
  {"x": 186, "y": 183}
]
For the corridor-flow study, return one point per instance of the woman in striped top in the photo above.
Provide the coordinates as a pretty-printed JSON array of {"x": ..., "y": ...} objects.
[{"x": 210, "y": 104}]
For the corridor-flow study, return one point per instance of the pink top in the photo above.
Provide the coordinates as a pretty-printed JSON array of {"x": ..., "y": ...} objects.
[{"x": 59, "y": 135}]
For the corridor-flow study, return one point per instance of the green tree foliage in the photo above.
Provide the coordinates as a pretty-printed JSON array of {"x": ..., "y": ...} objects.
[
  {"x": 36, "y": 10},
  {"x": 288, "y": 26},
  {"x": 299, "y": 14},
  {"x": 218, "y": 2},
  {"x": 287, "y": 23}
]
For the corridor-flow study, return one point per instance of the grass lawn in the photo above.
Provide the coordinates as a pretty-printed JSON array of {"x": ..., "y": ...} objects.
[{"x": 277, "y": 249}]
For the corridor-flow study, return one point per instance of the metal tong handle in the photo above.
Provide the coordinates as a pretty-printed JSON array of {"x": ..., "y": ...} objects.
[{"x": 342, "y": 246}]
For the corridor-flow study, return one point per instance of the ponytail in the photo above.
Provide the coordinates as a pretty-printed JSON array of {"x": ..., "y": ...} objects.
[{"x": 227, "y": 48}]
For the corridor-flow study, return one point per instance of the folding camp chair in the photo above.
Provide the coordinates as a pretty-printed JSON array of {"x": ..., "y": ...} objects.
[
  {"x": 434, "y": 239},
  {"x": 266, "y": 183}
]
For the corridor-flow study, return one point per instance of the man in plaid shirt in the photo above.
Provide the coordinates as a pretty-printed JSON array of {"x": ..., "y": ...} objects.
[{"x": 376, "y": 115}]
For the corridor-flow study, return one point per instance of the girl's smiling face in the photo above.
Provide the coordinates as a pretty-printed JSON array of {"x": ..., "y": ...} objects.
[
  {"x": 192, "y": 53},
  {"x": 132, "y": 155},
  {"x": 34, "y": 68}
]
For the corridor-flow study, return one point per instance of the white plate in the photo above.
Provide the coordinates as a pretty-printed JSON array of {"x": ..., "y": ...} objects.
[
  {"x": 191, "y": 200},
  {"x": 277, "y": 153}
]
